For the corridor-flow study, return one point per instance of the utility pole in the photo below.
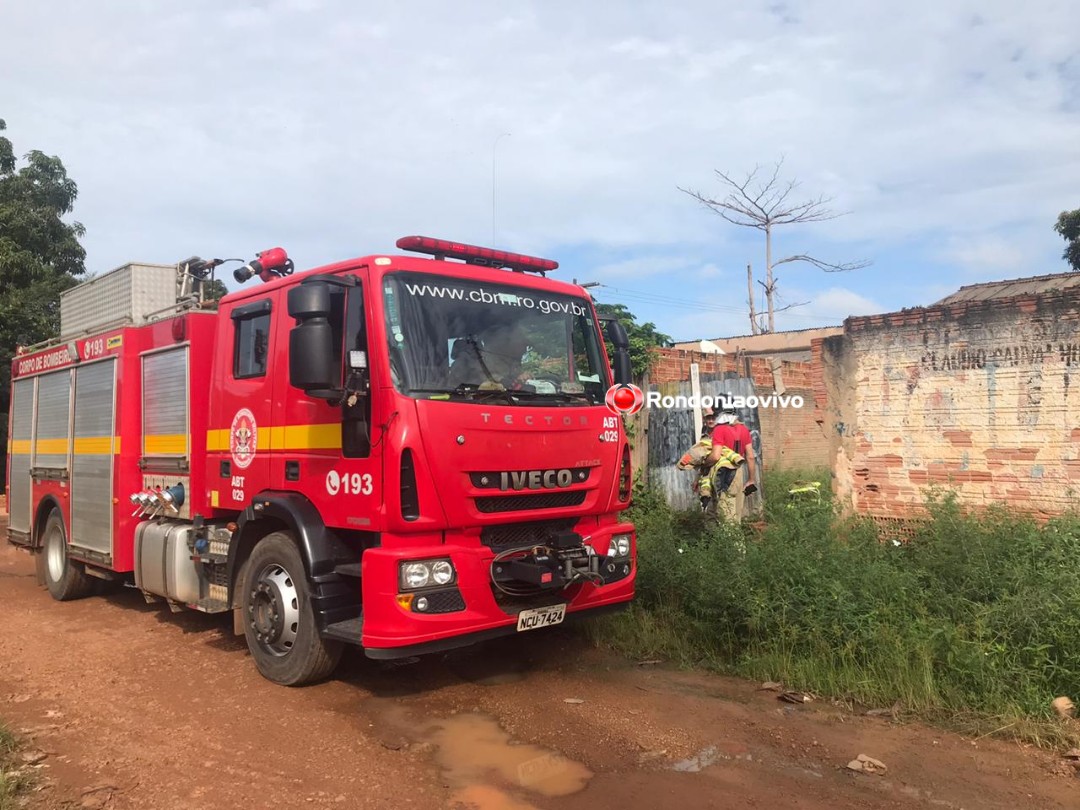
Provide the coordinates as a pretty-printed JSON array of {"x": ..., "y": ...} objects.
[
  {"x": 587, "y": 284},
  {"x": 750, "y": 297}
]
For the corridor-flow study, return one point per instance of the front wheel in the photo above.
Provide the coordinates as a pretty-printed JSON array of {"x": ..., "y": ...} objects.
[
  {"x": 279, "y": 624},
  {"x": 65, "y": 578}
]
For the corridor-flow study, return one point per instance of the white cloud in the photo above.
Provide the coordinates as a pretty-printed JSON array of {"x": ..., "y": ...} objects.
[
  {"x": 980, "y": 253},
  {"x": 640, "y": 267},
  {"x": 826, "y": 308},
  {"x": 332, "y": 127}
]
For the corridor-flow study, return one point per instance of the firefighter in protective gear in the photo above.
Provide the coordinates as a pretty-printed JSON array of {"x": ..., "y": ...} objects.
[
  {"x": 719, "y": 477},
  {"x": 732, "y": 434},
  {"x": 716, "y": 466}
]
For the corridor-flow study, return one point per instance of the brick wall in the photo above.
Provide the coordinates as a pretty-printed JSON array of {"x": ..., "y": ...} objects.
[
  {"x": 975, "y": 396},
  {"x": 673, "y": 365},
  {"x": 790, "y": 437}
]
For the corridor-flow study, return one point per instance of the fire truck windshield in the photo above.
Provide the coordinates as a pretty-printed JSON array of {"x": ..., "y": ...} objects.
[{"x": 458, "y": 339}]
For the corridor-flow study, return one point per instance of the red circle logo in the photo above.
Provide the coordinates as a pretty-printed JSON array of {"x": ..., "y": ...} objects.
[{"x": 625, "y": 398}]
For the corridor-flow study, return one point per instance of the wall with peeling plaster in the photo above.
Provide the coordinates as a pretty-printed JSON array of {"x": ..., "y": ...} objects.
[{"x": 980, "y": 397}]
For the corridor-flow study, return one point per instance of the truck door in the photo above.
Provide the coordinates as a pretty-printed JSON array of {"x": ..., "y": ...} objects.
[
  {"x": 20, "y": 447},
  {"x": 324, "y": 448},
  {"x": 242, "y": 412}
]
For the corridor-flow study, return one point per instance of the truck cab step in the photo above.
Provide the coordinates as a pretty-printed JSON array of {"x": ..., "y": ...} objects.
[
  {"x": 349, "y": 630},
  {"x": 210, "y": 605},
  {"x": 349, "y": 570}
]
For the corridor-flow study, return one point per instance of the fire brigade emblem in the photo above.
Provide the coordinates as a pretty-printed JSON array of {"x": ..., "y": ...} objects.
[{"x": 242, "y": 438}]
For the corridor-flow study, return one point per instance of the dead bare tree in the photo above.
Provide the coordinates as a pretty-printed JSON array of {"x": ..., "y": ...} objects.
[{"x": 765, "y": 203}]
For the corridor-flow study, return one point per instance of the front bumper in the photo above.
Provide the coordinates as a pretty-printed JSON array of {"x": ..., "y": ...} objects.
[{"x": 391, "y": 630}]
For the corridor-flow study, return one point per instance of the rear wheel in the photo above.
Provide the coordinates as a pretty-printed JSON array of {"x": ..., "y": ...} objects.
[
  {"x": 279, "y": 624},
  {"x": 65, "y": 578}
]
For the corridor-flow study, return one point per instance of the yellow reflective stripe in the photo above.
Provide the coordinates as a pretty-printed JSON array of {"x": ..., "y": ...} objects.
[
  {"x": 89, "y": 446},
  {"x": 94, "y": 446},
  {"x": 288, "y": 437},
  {"x": 217, "y": 440},
  {"x": 170, "y": 444},
  {"x": 306, "y": 437},
  {"x": 51, "y": 447}
]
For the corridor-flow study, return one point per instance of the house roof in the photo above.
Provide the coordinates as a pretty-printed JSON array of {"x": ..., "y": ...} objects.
[{"x": 1032, "y": 285}]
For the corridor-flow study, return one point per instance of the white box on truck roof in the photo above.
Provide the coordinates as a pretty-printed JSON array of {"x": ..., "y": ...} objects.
[{"x": 124, "y": 295}]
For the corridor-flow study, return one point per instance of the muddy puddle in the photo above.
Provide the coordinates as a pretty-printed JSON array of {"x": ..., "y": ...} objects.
[
  {"x": 484, "y": 767},
  {"x": 489, "y": 770}
]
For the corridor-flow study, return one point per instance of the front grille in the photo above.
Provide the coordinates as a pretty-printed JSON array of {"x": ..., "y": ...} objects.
[
  {"x": 519, "y": 503},
  {"x": 516, "y": 535}
]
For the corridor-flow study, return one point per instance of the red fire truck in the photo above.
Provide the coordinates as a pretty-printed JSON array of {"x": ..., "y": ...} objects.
[{"x": 410, "y": 453}]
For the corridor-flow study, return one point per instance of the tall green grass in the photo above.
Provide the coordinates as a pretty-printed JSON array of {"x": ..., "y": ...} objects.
[{"x": 977, "y": 617}]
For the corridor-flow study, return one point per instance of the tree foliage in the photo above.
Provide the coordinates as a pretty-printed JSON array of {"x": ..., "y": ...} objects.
[
  {"x": 214, "y": 289},
  {"x": 40, "y": 253},
  {"x": 1068, "y": 225},
  {"x": 645, "y": 338}
]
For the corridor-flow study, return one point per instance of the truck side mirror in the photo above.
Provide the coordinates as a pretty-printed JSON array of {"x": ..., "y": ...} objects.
[
  {"x": 616, "y": 333},
  {"x": 311, "y": 342}
]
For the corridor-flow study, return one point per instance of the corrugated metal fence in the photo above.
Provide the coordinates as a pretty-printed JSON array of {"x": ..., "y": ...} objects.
[{"x": 662, "y": 435}]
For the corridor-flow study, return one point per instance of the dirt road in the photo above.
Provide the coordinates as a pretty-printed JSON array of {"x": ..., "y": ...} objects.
[{"x": 138, "y": 708}]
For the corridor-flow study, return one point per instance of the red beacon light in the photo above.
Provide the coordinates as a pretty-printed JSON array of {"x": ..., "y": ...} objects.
[{"x": 471, "y": 254}]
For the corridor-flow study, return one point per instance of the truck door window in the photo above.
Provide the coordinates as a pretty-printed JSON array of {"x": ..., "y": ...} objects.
[
  {"x": 251, "y": 341},
  {"x": 356, "y": 418}
]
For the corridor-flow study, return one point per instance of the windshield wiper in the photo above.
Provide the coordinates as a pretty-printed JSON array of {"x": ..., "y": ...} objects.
[
  {"x": 467, "y": 390},
  {"x": 560, "y": 396}
]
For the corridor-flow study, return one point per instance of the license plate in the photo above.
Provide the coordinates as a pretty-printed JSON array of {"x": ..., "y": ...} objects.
[{"x": 541, "y": 617}]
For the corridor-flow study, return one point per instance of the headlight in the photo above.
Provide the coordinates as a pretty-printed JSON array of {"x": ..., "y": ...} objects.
[
  {"x": 415, "y": 575},
  {"x": 619, "y": 546},
  {"x": 442, "y": 572},
  {"x": 422, "y": 573}
]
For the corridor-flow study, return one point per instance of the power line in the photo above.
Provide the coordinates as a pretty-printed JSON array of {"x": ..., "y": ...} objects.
[
  {"x": 642, "y": 297},
  {"x": 648, "y": 297}
]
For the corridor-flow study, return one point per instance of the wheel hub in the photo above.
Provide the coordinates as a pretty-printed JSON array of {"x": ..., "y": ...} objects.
[
  {"x": 54, "y": 555},
  {"x": 267, "y": 614},
  {"x": 274, "y": 610}
]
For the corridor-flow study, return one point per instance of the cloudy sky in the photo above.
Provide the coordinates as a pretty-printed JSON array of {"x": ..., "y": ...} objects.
[{"x": 949, "y": 130}]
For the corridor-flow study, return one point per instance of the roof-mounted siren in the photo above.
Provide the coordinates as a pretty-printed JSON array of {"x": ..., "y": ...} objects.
[
  {"x": 269, "y": 264},
  {"x": 471, "y": 254}
]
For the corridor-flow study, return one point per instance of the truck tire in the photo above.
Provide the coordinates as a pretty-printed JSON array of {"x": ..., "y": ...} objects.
[
  {"x": 65, "y": 578},
  {"x": 279, "y": 624}
]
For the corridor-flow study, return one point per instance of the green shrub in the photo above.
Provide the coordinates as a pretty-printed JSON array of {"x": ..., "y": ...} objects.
[{"x": 976, "y": 615}]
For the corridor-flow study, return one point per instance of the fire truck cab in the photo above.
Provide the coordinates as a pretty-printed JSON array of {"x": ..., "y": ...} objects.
[{"x": 409, "y": 453}]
